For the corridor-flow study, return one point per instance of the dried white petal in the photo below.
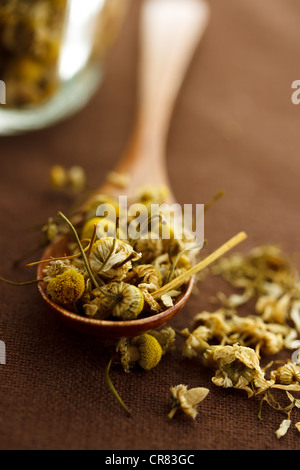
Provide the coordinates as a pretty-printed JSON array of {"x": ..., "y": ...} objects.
[
  {"x": 295, "y": 400},
  {"x": 295, "y": 315},
  {"x": 283, "y": 428},
  {"x": 235, "y": 300},
  {"x": 291, "y": 341},
  {"x": 167, "y": 299}
]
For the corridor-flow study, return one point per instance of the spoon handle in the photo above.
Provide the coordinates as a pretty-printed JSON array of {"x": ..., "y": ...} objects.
[{"x": 170, "y": 30}]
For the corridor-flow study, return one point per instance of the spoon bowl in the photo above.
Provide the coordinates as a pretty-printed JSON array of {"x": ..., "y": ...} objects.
[
  {"x": 170, "y": 31},
  {"x": 106, "y": 328}
]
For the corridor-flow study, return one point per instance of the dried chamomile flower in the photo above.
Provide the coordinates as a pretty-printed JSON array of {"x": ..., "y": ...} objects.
[
  {"x": 253, "y": 331},
  {"x": 66, "y": 288},
  {"x": 287, "y": 374},
  {"x": 144, "y": 350},
  {"x": 196, "y": 342},
  {"x": 117, "y": 299},
  {"x": 267, "y": 273},
  {"x": 56, "y": 268},
  {"x": 264, "y": 263},
  {"x": 186, "y": 400},
  {"x": 149, "y": 248},
  {"x": 238, "y": 367},
  {"x": 229, "y": 328},
  {"x": 150, "y": 302},
  {"x": 274, "y": 309},
  {"x": 111, "y": 259},
  {"x": 50, "y": 230},
  {"x": 93, "y": 309},
  {"x": 217, "y": 323},
  {"x": 166, "y": 338},
  {"x": 145, "y": 274}
]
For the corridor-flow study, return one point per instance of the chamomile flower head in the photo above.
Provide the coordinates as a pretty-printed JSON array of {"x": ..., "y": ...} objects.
[{"x": 66, "y": 288}]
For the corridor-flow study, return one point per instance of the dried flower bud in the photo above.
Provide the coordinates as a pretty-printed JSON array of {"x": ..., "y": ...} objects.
[
  {"x": 58, "y": 176},
  {"x": 165, "y": 337},
  {"x": 55, "y": 268},
  {"x": 50, "y": 230},
  {"x": 111, "y": 259},
  {"x": 196, "y": 342},
  {"x": 66, "y": 288},
  {"x": 186, "y": 400},
  {"x": 287, "y": 374},
  {"x": 150, "y": 248},
  {"x": 147, "y": 274},
  {"x": 144, "y": 349},
  {"x": 119, "y": 300},
  {"x": 238, "y": 367}
]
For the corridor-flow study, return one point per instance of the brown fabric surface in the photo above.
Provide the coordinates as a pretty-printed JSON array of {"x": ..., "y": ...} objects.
[{"x": 235, "y": 128}]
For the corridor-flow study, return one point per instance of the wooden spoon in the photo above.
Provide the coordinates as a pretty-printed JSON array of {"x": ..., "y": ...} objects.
[{"x": 170, "y": 32}]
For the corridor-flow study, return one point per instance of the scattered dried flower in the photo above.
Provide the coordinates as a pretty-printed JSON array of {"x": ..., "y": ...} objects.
[
  {"x": 166, "y": 338},
  {"x": 196, "y": 342},
  {"x": 237, "y": 367},
  {"x": 55, "y": 268},
  {"x": 287, "y": 374},
  {"x": 144, "y": 350},
  {"x": 186, "y": 400},
  {"x": 269, "y": 275}
]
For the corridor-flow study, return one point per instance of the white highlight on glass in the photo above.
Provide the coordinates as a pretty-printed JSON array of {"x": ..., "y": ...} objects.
[{"x": 79, "y": 34}]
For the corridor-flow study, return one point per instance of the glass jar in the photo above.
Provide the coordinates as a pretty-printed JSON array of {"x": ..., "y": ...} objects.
[{"x": 52, "y": 54}]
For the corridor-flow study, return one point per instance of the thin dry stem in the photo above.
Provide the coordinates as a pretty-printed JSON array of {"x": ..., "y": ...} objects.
[{"x": 178, "y": 281}]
